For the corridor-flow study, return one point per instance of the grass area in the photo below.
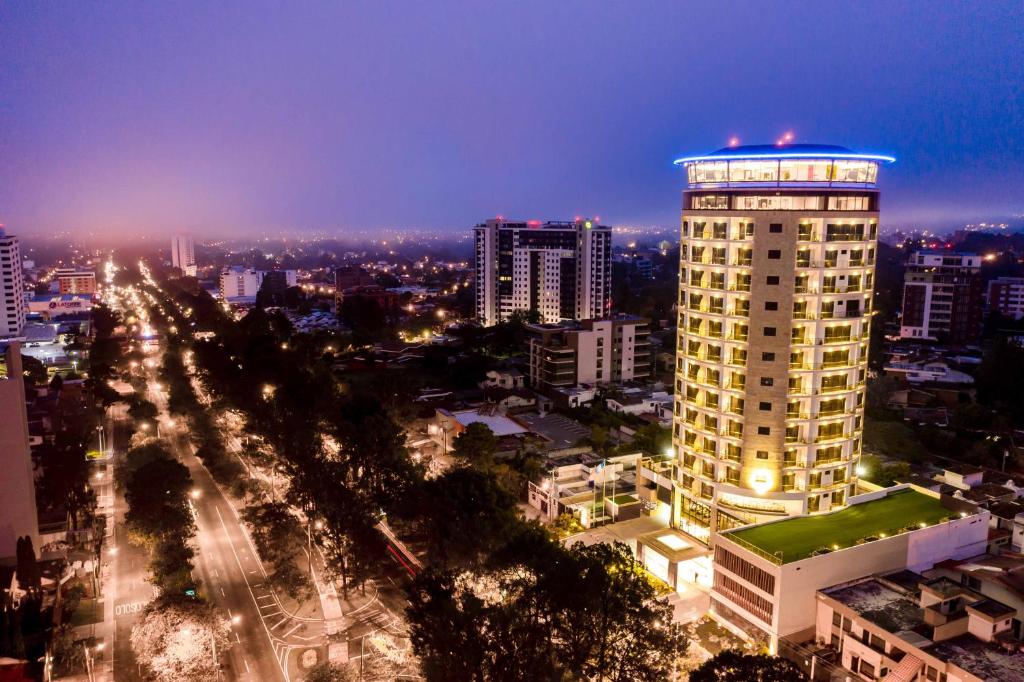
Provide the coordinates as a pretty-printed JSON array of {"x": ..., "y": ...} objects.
[
  {"x": 797, "y": 538},
  {"x": 624, "y": 499}
]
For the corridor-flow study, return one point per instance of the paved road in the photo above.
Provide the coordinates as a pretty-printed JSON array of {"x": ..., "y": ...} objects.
[
  {"x": 128, "y": 587},
  {"x": 230, "y": 575}
]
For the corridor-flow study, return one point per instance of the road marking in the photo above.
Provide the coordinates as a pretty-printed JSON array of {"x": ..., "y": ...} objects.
[
  {"x": 284, "y": 671},
  {"x": 246, "y": 665},
  {"x": 292, "y": 630},
  {"x": 279, "y": 623},
  {"x": 265, "y": 596},
  {"x": 237, "y": 638},
  {"x": 222, "y": 593},
  {"x": 131, "y": 607}
]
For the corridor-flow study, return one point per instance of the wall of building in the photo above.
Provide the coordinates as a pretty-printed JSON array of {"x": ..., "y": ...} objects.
[
  {"x": 18, "y": 514},
  {"x": 797, "y": 582}
]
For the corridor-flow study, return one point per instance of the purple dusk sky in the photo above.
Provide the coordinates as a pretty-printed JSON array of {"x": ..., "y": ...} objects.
[{"x": 238, "y": 117}]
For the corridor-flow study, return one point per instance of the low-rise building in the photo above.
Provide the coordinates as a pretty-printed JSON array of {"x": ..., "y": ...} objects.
[
  {"x": 888, "y": 627},
  {"x": 643, "y": 401},
  {"x": 52, "y": 306},
  {"x": 239, "y": 284},
  {"x": 504, "y": 378},
  {"x": 766, "y": 575},
  {"x": 74, "y": 281},
  {"x": 600, "y": 351}
]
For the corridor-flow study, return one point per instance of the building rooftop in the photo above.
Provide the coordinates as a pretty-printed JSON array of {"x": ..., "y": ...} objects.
[
  {"x": 978, "y": 658},
  {"x": 798, "y": 538},
  {"x": 875, "y": 601},
  {"x": 500, "y": 425},
  {"x": 785, "y": 151}
]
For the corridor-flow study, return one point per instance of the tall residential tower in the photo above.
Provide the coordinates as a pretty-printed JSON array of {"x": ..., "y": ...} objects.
[
  {"x": 561, "y": 270},
  {"x": 12, "y": 286},
  {"x": 777, "y": 261},
  {"x": 183, "y": 254}
]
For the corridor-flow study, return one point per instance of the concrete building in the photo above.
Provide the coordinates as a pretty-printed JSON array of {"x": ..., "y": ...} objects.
[
  {"x": 766, "y": 575},
  {"x": 1006, "y": 297},
  {"x": 52, "y": 306},
  {"x": 73, "y": 281},
  {"x": 18, "y": 515},
  {"x": 777, "y": 260},
  {"x": 183, "y": 254},
  {"x": 942, "y": 297},
  {"x": 603, "y": 351},
  {"x": 239, "y": 284},
  {"x": 561, "y": 270},
  {"x": 12, "y": 286},
  {"x": 902, "y": 627}
]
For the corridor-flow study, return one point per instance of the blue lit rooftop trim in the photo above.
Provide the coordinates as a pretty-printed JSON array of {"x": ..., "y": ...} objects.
[{"x": 786, "y": 151}]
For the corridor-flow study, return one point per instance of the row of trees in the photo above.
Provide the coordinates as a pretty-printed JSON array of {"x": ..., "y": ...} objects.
[{"x": 501, "y": 598}]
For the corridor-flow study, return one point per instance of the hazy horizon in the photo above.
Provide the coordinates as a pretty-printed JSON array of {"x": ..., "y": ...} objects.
[{"x": 261, "y": 118}]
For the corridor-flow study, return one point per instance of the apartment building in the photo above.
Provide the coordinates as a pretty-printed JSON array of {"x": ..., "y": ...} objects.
[
  {"x": 560, "y": 270},
  {"x": 12, "y": 286},
  {"x": 1006, "y": 297},
  {"x": 73, "y": 281},
  {"x": 597, "y": 351},
  {"x": 777, "y": 261},
  {"x": 942, "y": 297}
]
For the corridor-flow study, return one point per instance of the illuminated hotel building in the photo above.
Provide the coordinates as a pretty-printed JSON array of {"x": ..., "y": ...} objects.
[{"x": 777, "y": 261}]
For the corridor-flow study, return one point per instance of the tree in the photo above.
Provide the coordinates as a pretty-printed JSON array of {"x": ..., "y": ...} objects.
[
  {"x": 363, "y": 315},
  {"x": 467, "y": 514},
  {"x": 543, "y": 612},
  {"x": 883, "y": 473},
  {"x": 170, "y": 565},
  {"x": 175, "y": 640},
  {"x": 476, "y": 444},
  {"x": 279, "y": 539},
  {"x": 733, "y": 666},
  {"x": 331, "y": 672},
  {"x": 29, "y": 575},
  {"x": 33, "y": 369},
  {"x": 156, "y": 493}
]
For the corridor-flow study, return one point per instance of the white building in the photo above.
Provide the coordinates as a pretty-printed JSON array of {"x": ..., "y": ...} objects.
[
  {"x": 901, "y": 627},
  {"x": 240, "y": 284},
  {"x": 598, "y": 351},
  {"x": 561, "y": 270},
  {"x": 766, "y": 575},
  {"x": 183, "y": 255},
  {"x": 12, "y": 286}
]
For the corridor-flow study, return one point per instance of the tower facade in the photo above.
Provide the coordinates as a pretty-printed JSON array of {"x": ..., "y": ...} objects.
[
  {"x": 777, "y": 259},
  {"x": 183, "y": 254},
  {"x": 561, "y": 270},
  {"x": 12, "y": 286}
]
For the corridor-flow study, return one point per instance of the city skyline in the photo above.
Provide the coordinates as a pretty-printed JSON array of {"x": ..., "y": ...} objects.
[{"x": 150, "y": 119}]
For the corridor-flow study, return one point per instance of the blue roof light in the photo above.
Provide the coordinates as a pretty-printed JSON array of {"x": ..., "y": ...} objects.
[{"x": 788, "y": 151}]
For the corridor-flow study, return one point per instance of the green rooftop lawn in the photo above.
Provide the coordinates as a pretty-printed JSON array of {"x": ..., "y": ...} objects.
[{"x": 797, "y": 538}]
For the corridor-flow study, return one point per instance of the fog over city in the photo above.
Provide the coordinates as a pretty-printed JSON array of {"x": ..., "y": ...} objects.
[{"x": 245, "y": 119}]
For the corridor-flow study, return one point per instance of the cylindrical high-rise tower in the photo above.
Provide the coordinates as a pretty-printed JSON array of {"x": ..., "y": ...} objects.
[{"x": 777, "y": 260}]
